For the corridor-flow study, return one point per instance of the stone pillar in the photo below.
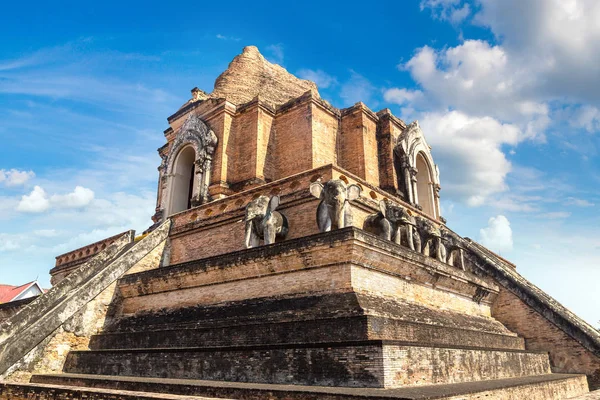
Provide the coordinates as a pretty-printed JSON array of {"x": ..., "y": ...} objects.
[
  {"x": 413, "y": 183},
  {"x": 436, "y": 199}
]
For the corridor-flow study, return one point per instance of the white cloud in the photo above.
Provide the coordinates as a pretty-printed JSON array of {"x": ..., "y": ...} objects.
[
  {"x": 478, "y": 79},
  {"x": 573, "y": 201},
  {"x": 468, "y": 152},
  {"x": 80, "y": 197},
  {"x": 555, "y": 215},
  {"x": 321, "y": 78},
  {"x": 448, "y": 10},
  {"x": 497, "y": 236},
  {"x": 36, "y": 202},
  {"x": 587, "y": 117},
  {"x": 224, "y": 37},
  {"x": 47, "y": 233},
  {"x": 547, "y": 50},
  {"x": 403, "y": 96},
  {"x": 276, "y": 54},
  {"x": 9, "y": 242},
  {"x": 357, "y": 88},
  {"x": 14, "y": 177}
]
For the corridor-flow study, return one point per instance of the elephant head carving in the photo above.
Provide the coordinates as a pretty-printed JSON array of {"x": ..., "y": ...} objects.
[
  {"x": 454, "y": 247},
  {"x": 334, "y": 211},
  {"x": 263, "y": 222},
  {"x": 431, "y": 237},
  {"x": 392, "y": 222}
]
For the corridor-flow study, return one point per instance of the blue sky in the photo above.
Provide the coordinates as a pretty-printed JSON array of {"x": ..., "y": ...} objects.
[{"x": 507, "y": 93}]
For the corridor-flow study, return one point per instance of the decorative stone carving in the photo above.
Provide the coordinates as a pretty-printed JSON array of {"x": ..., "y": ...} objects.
[
  {"x": 195, "y": 133},
  {"x": 410, "y": 147},
  {"x": 263, "y": 222},
  {"x": 392, "y": 222},
  {"x": 334, "y": 211},
  {"x": 454, "y": 247},
  {"x": 431, "y": 237}
]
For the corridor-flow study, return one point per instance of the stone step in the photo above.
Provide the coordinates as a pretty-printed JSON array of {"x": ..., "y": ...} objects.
[
  {"x": 357, "y": 328},
  {"x": 539, "y": 387},
  {"x": 354, "y": 364},
  {"x": 314, "y": 318},
  {"x": 26, "y": 391}
]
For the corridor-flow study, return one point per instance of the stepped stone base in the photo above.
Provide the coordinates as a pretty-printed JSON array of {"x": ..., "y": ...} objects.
[
  {"x": 359, "y": 364},
  {"x": 305, "y": 319},
  {"x": 55, "y": 387}
]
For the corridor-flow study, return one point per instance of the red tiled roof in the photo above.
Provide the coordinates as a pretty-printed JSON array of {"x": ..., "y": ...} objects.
[{"x": 9, "y": 292}]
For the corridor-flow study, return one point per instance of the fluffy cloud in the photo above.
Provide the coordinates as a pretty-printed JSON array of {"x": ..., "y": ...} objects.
[
  {"x": 14, "y": 177},
  {"x": 548, "y": 50},
  {"x": 558, "y": 39},
  {"x": 38, "y": 200},
  {"x": 9, "y": 242},
  {"x": 478, "y": 79},
  {"x": 449, "y": 10},
  {"x": 497, "y": 236},
  {"x": 80, "y": 197},
  {"x": 35, "y": 202},
  {"x": 468, "y": 151},
  {"x": 321, "y": 78},
  {"x": 403, "y": 96}
]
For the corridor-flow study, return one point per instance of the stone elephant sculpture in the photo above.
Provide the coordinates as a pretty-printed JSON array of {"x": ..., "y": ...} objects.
[
  {"x": 263, "y": 222},
  {"x": 455, "y": 249},
  {"x": 390, "y": 223},
  {"x": 334, "y": 211},
  {"x": 431, "y": 237}
]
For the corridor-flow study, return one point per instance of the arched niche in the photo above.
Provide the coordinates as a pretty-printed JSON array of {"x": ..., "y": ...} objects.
[
  {"x": 418, "y": 176},
  {"x": 425, "y": 196},
  {"x": 183, "y": 182},
  {"x": 185, "y": 168}
]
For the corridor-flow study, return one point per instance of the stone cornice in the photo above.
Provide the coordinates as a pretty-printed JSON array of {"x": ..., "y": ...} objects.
[
  {"x": 309, "y": 96},
  {"x": 386, "y": 114},
  {"x": 362, "y": 107}
]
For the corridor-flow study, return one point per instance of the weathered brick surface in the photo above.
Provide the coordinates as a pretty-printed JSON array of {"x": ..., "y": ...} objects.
[
  {"x": 56, "y": 392},
  {"x": 407, "y": 365},
  {"x": 217, "y": 228},
  {"x": 338, "y": 261},
  {"x": 368, "y": 364},
  {"x": 358, "y": 143},
  {"x": 73, "y": 321},
  {"x": 541, "y": 387},
  {"x": 566, "y": 354},
  {"x": 69, "y": 262},
  {"x": 11, "y": 308}
]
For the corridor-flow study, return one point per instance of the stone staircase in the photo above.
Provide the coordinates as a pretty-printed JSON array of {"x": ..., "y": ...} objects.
[{"x": 338, "y": 315}]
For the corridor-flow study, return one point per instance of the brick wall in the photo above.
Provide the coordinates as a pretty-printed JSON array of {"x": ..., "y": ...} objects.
[{"x": 566, "y": 354}]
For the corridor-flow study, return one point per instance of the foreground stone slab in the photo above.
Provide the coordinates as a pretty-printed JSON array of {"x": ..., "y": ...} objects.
[
  {"x": 359, "y": 364},
  {"x": 25, "y": 391},
  {"x": 543, "y": 387}
]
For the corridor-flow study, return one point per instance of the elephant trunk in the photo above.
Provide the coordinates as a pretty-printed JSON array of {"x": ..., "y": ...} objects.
[{"x": 336, "y": 213}]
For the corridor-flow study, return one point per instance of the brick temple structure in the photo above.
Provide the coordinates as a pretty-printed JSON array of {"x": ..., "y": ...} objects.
[{"x": 297, "y": 252}]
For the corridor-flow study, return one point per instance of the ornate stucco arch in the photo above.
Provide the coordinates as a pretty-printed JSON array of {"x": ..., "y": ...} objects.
[
  {"x": 195, "y": 134},
  {"x": 410, "y": 148}
]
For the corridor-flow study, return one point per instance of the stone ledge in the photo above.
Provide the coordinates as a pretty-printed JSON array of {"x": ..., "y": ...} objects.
[
  {"x": 344, "y": 247},
  {"x": 256, "y": 391},
  {"x": 374, "y": 363}
]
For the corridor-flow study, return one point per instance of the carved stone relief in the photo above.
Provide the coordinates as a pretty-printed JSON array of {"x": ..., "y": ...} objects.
[
  {"x": 334, "y": 211},
  {"x": 263, "y": 222},
  {"x": 197, "y": 135},
  {"x": 410, "y": 147}
]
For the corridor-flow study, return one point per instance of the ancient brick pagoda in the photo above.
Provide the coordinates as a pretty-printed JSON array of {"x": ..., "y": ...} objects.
[{"x": 297, "y": 252}]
